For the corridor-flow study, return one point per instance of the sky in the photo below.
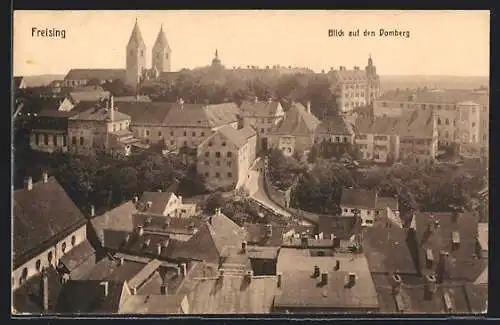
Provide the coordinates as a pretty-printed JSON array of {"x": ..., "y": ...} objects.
[{"x": 440, "y": 43}]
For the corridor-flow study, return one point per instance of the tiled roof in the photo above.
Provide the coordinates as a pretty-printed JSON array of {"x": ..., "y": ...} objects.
[
  {"x": 377, "y": 125},
  {"x": 40, "y": 80},
  {"x": 341, "y": 227},
  {"x": 119, "y": 218},
  {"x": 154, "y": 305},
  {"x": 159, "y": 201},
  {"x": 416, "y": 124},
  {"x": 359, "y": 198},
  {"x": 145, "y": 245},
  {"x": 37, "y": 105},
  {"x": 477, "y": 295},
  {"x": 415, "y": 299},
  {"x": 77, "y": 255},
  {"x": 386, "y": 248},
  {"x": 41, "y": 216},
  {"x": 238, "y": 137},
  {"x": 110, "y": 269},
  {"x": 199, "y": 115},
  {"x": 89, "y": 96},
  {"x": 335, "y": 125},
  {"x": 295, "y": 260},
  {"x": 28, "y": 297},
  {"x": 387, "y": 202},
  {"x": 160, "y": 223},
  {"x": 211, "y": 239},
  {"x": 435, "y": 96},
  {"x": 302, "y": 290},
  {"x": 144, "y": 274},
  {"x": 100, "y": 74},
  {"x": 99, "y": 114},
  {"x": 145, "y": 112},
  {"x": 297, "y": 122},
  {"x": 132, "y": 99},
  {"x": 350, "y": 76},
  {"x": 437, "y": 237},
  {"x": 90, "y": 297},
  {"x": 233, "y": 294},
  {"x": 260, "y": 108},
  {"x": 258, "y": 233}
]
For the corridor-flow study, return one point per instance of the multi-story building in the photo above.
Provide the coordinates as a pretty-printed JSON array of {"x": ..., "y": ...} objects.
[
  {"x": 148, "y": 119},
  {"x": 418, "y": 136},
  {"x": 188, "y": 125},
  {"x": 295, "y": 134},
  {"x": 225, "y": 157},
  {"x": 100, "y": 129},
  {"x": 468, "y": 128},
  {"x": 264, "y": 116},
  {"x": 46, "y": 226},
  {"x": 334, "y": 136},
  {"x": 445, "y": 104},
  {"x": 355, "y": 88},
  {"x": 378, "y": 139}
]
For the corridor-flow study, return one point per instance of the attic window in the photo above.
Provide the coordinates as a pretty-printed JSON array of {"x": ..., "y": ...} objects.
[{"x": 455, "y": 240}]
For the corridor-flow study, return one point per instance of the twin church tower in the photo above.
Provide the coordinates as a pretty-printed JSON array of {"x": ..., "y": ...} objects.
[{"x": 136, "y": 70}]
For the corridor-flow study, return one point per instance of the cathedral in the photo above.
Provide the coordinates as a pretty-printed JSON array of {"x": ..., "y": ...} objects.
[{"x": 136, "y": 70}]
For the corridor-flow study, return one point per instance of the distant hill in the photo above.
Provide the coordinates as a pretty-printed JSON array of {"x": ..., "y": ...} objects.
[
  {"x": 390, "y": 82},
  {"x": 41, "y": 80}
]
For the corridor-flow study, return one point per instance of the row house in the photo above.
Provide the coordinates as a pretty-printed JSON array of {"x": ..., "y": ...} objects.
[
  {"x": 355, "y": 88},
  {"x": 334, "y": 136},
  {"x": 295, "y": 133},
  {"x": 165, "y": 203},
  {"x": 418, "y": 136},
  {"x": 226, "y": 156},
  {"x": 264, "y": 116},
  {"x": 188, "y": 125},
  {"x": 80, "y": 77},
  {"x": 454, "y": 109},
  {"x": 377, "y": 139},
  {"x": 47, "y": 226},
  {"x": 101, "y": 129}
]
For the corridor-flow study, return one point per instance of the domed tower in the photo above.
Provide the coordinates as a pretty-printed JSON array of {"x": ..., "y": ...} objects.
[
  {"x": 161, "y": 55},
  {"x": 136, "y": 57}
]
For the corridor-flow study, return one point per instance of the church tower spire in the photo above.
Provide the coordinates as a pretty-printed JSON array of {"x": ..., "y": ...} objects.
[
  {"x": 216, "y": 60},
  {"x": 161, "y": 55},
  {"x": 135, "y": 57}
]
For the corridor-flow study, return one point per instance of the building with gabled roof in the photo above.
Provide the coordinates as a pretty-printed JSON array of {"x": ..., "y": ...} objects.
[
  {"x": 46, "y": 226},
  {"x": 225, "y": 157},
  {"x": 295, "y": 133},
  {"x": 445, "y": 245}
]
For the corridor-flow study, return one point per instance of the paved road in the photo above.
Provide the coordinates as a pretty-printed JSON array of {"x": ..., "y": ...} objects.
[{"x": 255, "y": 187}]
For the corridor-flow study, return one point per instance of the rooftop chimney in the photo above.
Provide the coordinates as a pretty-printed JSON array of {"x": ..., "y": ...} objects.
[
  {"x": 244, "y": 247},
  {"x": 324, "y": 278},
  {"x": 217, "y": 212},
  {"x": 269, "y": 230},
  {"x": 352, "y": 279},
  {"x": 45, "y": 289},
  {"x": 183, "y": 269},
  {"x": 256, "y": 99},
  {"x": 309, "y": 107},
  {"x": 316, "y": 272},
  {"x": 269, "y": 100},
  {"x": 279, "y": 276},
  {"x": 147, "y": 242},
  {"x": 28, "y": 183},
  {"x": 121, "y": 260},
  {"x": 127, "y": 238},
  {"x": 396, "y": 283},
  {"x": 447, "y": 302},
  {"x": 181, "y": 103},
  {"x": 45, "y": 177},
  {"x": 455, "y": 240},
  {"x": 105, "y": 288},
  {"x": 149, "y": 204},
  {"x": 140, "y": 230},
  {"x": 430, "y": 286},
  {"x": 442, "y": 267},
  {"x": 135, "y": 200},
  {"x": 163, "y": 288},
  {"x": 92, "y": 211},
  {"x": 158, "y": 249},
  {"x": 337, "y": 265}
]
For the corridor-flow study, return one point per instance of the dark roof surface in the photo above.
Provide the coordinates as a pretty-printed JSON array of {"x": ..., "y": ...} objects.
[
  {"x": 361, "y": 198},
  {"x": 203, "y": 116},
  {"x": 77, "y": 255},
  {"x": 40, "y": 216},
  {"x": 460, "y": 263},
  {"x": 101, "y": 74},
  {"x": 335, "y": 125},
  {"x": 99, "y": 114},
  {"x": 159, "y": 201},
  {"x": 258, "y": 233},
  {"x": 260, "y": 108},
  {"x": 302, "y": 290},
  {"x": 238, "y": 137},
  {"x": 297, "y": 122},
  {"x": 144, "y": 112}
]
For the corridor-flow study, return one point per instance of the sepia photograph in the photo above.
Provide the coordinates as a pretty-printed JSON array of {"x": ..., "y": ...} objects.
[{"x": 197, "y": 162}]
